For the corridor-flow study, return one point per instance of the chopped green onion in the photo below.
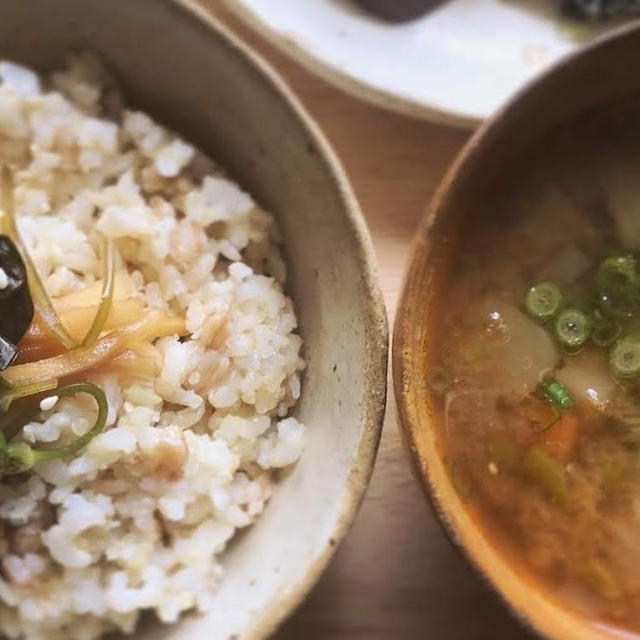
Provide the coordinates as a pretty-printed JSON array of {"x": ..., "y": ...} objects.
[
  {"x": 543, "y": 301},
  {"x": 38, "y": 291},
  {"x": 617, "y": 273},
  {"x": 556, "y": 394},
  {"x": 620, "y": 302},
  {"x": 20, "y": 418},
  {"x": 625, "y": 358},
  {"x": 619, "y": 285},
  {"x": 106, "y": 298},
  {"x": 605, "y": 331},
  {"x": 80, "y": 443},
  {"x": 548, "y": 473},
  {"x": 438, "y": 380},
  {"x": 19, "y": 457},
  {"x": 572, "y": 328}
]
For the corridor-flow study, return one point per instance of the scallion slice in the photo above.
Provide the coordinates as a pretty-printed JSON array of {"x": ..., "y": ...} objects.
[
  {"x": 605, "y": 331},
  {"x": 620, "y": 302},
  {"x": 556, "y": 394},
  {"x": 619, "y": 285},
  {"x": 617, "y": 272},
  {"x": 18, "y": 457},
  {"x": 572, "y": 328},
  {"x": 543, "y": 301},
  {"x": 625, "y": 358}
]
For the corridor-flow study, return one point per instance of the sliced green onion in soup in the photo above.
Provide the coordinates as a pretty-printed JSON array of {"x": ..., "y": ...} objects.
[
  {"x": 617, "y": 272},
  {"x": 557, "y": 396},
  {"x": 620, "y": 302},
  {"x": 543, "y": 301},
  {"x": 605, "y": 331},
  {"x": 619, "y": 285},
  {"x": 573, "y": 328},
  {"x": 625, "y": 358}
]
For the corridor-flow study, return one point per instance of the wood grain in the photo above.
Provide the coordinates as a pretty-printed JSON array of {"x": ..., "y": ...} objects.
[{"x": 396, "y": 576}]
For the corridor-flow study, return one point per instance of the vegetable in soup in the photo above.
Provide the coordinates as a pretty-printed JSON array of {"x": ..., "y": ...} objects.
[{"x": 535, "y": 374}]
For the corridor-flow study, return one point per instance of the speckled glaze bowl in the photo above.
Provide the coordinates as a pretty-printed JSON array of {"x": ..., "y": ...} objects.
[
  {"x": 180, "y": 65},
  {"x": 596, "y": 80}
]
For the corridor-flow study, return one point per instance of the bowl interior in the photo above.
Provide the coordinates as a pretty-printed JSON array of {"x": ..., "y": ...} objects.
[
  {"x": 573, "y": 133},
  {"x": 188, "y": 73}
]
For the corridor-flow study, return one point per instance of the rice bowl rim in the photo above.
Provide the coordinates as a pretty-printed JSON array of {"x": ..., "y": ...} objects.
[{"x": 376, "y": 332}]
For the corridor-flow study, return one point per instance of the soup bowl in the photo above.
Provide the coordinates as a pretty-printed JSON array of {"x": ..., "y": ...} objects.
[
  {"x": 593, "y": 86},
  {"x": 176, "y": 62}
]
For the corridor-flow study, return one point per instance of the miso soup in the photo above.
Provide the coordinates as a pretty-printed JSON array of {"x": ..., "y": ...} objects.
[{"x": 535, "y": 374}]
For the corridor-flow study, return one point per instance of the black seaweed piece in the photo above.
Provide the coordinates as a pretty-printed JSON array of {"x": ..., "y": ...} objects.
[
  {"x": 398, "y": 10},
  {"x": 8, "y": 353},
  {"x": 16, "y": 305},
  {"x": 595, "y": 10}
]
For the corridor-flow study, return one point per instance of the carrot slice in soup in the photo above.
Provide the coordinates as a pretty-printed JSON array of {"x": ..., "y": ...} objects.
[{"x": 560, "y": 439}]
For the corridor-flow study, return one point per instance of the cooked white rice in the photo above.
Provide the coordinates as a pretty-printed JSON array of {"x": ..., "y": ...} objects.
[{"x": 138, "y": 521}]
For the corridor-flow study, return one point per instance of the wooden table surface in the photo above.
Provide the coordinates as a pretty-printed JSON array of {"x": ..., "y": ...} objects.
[{"x": 396, "y": 576}]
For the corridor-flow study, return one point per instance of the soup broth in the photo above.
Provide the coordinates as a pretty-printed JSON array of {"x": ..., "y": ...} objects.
[{"x": 536, "y": 398}]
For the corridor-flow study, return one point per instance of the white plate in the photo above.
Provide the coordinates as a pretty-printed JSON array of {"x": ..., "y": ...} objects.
[{"x": 455, "y": 65}]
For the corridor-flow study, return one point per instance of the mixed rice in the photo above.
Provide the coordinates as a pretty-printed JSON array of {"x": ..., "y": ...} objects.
[{"x": 138, "y": 521}]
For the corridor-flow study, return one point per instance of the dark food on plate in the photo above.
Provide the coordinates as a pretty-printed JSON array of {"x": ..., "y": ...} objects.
[
  {"x": 601, "y": 9},
  {"x": 398, "y": 10},
  {"x": 534, "y": 377},
  {"x": 403, "y": 10}
]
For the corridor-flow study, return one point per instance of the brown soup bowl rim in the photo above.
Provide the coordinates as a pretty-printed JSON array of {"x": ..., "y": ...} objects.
[{"x": 494, "y": 143}]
